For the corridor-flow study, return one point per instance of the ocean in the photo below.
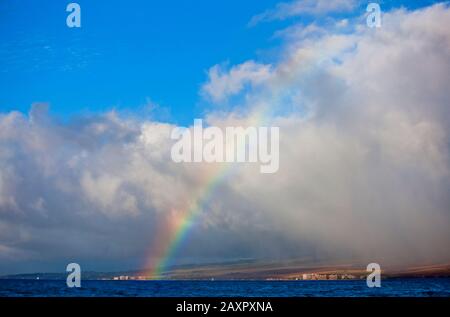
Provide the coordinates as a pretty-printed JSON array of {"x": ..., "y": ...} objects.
[{"x": 401, "y": 287}]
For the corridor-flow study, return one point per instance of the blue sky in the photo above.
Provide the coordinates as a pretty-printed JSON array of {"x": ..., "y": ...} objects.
[{"x": 128, "y": 53}]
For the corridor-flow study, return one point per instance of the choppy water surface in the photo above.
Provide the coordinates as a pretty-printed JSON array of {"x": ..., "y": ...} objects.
[{"x": 429, "y": 287}]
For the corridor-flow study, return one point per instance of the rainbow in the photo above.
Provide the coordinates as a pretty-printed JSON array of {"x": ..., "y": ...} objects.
[
  {"x": 187, "y": 221},
  {"x": 178, "y": 228},
  {"x": 260, "y": 116}
]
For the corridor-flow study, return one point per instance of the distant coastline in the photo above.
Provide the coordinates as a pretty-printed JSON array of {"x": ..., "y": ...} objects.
[{"x": 249, "y": 270}]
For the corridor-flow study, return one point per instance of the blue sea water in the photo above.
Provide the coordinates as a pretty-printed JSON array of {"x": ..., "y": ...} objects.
[{"x": 430, "y": 287}]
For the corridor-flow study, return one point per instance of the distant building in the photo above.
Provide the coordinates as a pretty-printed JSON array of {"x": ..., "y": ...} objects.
[{"x": 348, "y": 277}]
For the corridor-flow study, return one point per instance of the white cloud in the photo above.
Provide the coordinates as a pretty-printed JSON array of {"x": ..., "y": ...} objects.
[{"x": 225, "y": 83}]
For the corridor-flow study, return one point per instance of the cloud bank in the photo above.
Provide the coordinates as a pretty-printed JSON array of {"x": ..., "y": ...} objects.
[{"x": 364, "y": 162}]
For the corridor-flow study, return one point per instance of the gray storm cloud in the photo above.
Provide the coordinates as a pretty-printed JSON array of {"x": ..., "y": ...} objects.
[{"x": 364, "y": 162}]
